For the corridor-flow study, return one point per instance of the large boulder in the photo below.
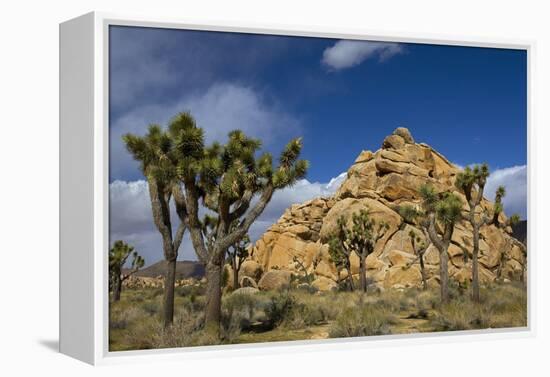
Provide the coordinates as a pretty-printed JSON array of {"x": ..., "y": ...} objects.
[
  {"x": 346, "y": 207},
  {"x": 275, "y": 279},
  {"x": 245, "y": 291},
  {"x": 402, "y": 277},
  {"x": 324, "y": 284},
  {"x": 252, "y": 269}
]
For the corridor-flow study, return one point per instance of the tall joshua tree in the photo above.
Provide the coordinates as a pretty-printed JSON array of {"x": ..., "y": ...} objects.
[
  {"x": 441, "y": 211},
  {"x": 361, "y": 239},
  {"x": 156, "y": 155},
  {"x": 472, "y": 183},
  {"x": 118, "y": 256},
  {"x": 225, "y": 179}
]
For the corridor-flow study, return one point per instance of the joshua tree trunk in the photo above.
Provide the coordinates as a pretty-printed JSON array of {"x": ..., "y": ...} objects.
[
  {"x": 475, "y": 264},
  {"x": 442, "y": 244},
  {"x": 213, "y": 298},
  {"x": 169, "y": 286},
  {"x": 444, "y": 275},
  {"x": 235, "y": 274},
  {"x": 117, "y": 288},
  {"x": 423, "y": 272},
  {"x": 363, "y": 271},
  {"x": 350, "y": 278}
]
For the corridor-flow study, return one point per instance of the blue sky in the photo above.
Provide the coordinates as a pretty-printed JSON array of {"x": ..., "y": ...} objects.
[{"x": 341, "y": 96}]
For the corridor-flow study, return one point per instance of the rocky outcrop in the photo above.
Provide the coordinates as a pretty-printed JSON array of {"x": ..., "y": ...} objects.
[
  {"x": 381, "y": 181},
  {"x": 137, "y": 282}
]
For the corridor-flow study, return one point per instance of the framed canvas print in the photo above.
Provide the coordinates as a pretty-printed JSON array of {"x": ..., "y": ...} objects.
[{"x": 226, "y": 187}]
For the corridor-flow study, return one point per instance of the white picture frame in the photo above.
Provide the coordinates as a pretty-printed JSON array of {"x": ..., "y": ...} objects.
[{"x": 84, "y": 157}]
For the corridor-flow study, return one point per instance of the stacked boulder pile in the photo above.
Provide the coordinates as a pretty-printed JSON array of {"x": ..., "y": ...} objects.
[{"x": 381, "y": 181}]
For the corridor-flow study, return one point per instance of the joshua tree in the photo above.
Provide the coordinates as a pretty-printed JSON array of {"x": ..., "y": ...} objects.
[
  {"x": 360, "y": 239},
  {"x": 441, "y": 209},
  {"x": 118, "y": 256},
  {"x": 340, "y": 256},
  {"x": 472, "y": 183},
  {"x": 155, "y": 153},
  {"x": 411, "y": 215},
  {"x": 419, "y": 247},
  {"x": 236, "y": 254},
  {"x": 225, "y": 179},
  {"x": 308, "y": 278},
  {"x": 498, "y": 207}
]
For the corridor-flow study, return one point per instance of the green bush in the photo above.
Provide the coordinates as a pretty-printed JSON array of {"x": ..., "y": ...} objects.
[{"x": 278, "y": 308}]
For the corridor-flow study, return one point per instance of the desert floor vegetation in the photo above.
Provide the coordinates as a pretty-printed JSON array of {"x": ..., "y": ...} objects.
[{"x": 136, "y": 320}]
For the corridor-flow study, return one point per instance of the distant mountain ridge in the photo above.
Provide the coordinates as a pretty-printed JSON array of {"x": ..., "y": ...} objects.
[
  {"x": 519, "y": 231},
  {"x": 184, "y": 270}
]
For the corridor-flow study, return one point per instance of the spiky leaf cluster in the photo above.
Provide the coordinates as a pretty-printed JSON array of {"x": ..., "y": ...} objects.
[
  {"x": 228, "y": 171},
  {"x": 472, "y": 180},
  {"x": 118, "y": 256},
  {"x": 449, "y": 209},
  {"x": 409, "y": 213},
  {"x": 514, "y": 219},
  {"x": 155, "y": 153},
  {"x": 364, "y": 232},
  {"x": 429, "y": 197}
]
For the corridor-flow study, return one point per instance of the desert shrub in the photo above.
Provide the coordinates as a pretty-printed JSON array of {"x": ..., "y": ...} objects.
[
  {"x": 151, "y": 307},
  {"x": 362, "y": 321},
  {"x": 120, "y": 316},
  {"x": 459, "y": 315},
  {"x": 391, "y": 300},
  {"x": 307, "y": 288},
  {"x": 501, "y": 306},
  {"x": 508, "y": 305},
  {"x": 185, "y": 331},
  {"x": 427, "y": 300},
  {"x": 303, "y": 315},
  {"x": 190, "y": 290},
  {"x": 240, "y": 306},
  {"x": 141, "y": 335},
  {"x": 278, "y": 308},
  {"x": 152, "y": 293}
]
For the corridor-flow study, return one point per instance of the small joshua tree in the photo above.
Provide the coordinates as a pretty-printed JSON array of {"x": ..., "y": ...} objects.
[
  {"x": 225, "y": 179},
  {"x": 411, "y": 215},
  {"x": 498, "y": 207},
  {"x": 118, "y": 256},
  {"x": 441, "y": 210},
  {"x": 340, "y": 256},
  {"x": 419, "y": 247},
  {"x": 236, "y": 254},
  {"x": 307, "y": 278},
  {"x": 361, "y": 239}
]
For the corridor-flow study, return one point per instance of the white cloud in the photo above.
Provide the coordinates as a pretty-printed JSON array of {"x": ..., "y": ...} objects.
[
  {"x": 131, "y": 219},
  {"x": 348, "y": 53},
  {"x": 218, "y": 110},
  {"x": 514, "y": 179}
]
